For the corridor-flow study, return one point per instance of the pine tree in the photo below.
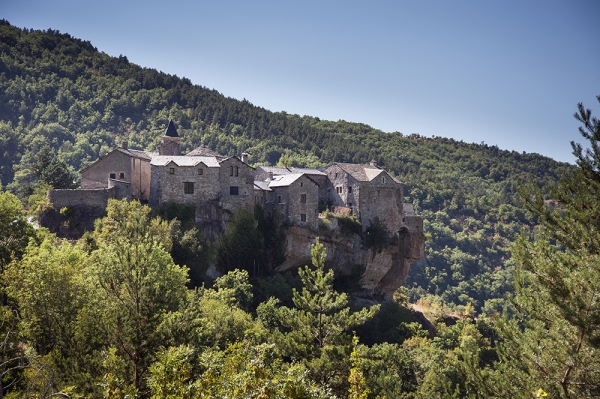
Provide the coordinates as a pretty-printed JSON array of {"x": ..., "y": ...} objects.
[
  {"x": 554, "y": 342},
  {"x": 319, "y": 324}
]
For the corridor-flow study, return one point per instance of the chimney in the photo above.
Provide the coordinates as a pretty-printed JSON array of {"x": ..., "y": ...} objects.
[
  {"x": 270, "y": 175},
  {"x": 244, "y": 157},
  {"x": 124, "y": 144},
  {"x": 373, "y": 163}
]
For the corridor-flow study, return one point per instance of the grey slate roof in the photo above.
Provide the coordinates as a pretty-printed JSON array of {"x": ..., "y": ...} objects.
[
  {"x": 284, "y": 180},
  {"x": 183, "y": 160},
  {"x": 136, "y": 153},
  {"x": 363, "y": 172},
  {"x": 203, "y": 151},
  {"x": 286, "y": 171},
  {"x": 171, "y": 131},
  {"x": 261, "y": 185},
  {"x": 132, "y": 153}
]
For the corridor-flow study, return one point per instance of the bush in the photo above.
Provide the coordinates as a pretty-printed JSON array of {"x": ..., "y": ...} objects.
[{"x": 377, "y": 234}]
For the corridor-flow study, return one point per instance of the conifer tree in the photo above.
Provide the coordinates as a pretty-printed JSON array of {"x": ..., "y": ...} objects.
[
  {"x": 320, "y": 324},
  {"x": 554, "y": 343}
]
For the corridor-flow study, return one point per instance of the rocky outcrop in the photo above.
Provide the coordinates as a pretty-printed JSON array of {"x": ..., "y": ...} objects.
[
  {"x": 71, "y": 222},
  {"x": 386, "y": 266}
]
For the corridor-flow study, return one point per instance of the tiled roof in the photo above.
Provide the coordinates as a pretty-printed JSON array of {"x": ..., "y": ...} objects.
[
  {"x": 182, "y": 160},
  {"x": 136, "y": 153},
  {"x": 363, "y": 172},
  {"x": 286, "y": 171},
  {"x": 203, "y": 151},
  {"x": 360, "y": 172},
  {"x": 132, "y": 153},
  {"x": 262, "y": 185},
  {"x": 171, "y": 131},
  {"x": 285, "y": 180}
]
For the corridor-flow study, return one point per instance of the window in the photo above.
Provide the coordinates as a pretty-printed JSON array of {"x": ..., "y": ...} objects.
[
  {"x": 121, "y": 175},
  {"x": 303, "y": 217},
  {"x": 231, "y": 171},
  {"x": 279, "y": 199},
  {"x": 349, "y": 204},
  {"x": 188, "y": 187},
  {"x": 112, "y": 176},
  {"x": 303, "y": 198},
  {"x": 171, "y": 171},
  {"x": 383, "y": 180},
  {"x": 349, "y": 189},
  {"x": 301, "y": 184},
  {"x": 338, "y": 190},
  {"x": 237, "y": 170},
  {"x": 200, "y": 171},
  {"x": 234, "y": 190}
]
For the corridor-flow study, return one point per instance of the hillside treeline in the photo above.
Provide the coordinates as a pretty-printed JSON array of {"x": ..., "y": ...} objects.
[{"x": 64, "y": 99}]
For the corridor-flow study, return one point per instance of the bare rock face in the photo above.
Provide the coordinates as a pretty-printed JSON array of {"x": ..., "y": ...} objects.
[{"x": 386, "y": 267}]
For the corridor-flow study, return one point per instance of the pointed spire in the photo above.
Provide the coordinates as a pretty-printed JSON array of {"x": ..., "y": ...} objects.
[{"x": 171, "y": 131}]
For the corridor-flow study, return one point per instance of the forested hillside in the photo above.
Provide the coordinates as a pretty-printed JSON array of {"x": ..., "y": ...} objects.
[
  {"x": 113, "y": 314},
  {"x": 61, "y": 92}
]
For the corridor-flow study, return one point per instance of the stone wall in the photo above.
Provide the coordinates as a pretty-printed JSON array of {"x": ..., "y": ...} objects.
[
  {"x": 97, "y": 198},
  {"x": 336, "y": 177},
  {"x": 140, "y": 179},
  {"x": 382, "y": 202},
  {"x": 296, "y": 208},
  {"x": 166, "y": 187},
  {"x": 235, "y": 173}
]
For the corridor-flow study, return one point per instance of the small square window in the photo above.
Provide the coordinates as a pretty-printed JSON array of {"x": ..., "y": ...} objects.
[
  {"x": 200, "y": 171},
  {"x": 303, "y": 198},
  {"x": 188, "y": 187},
  {"x": 303, "y": 217},
  {"x": 234, "y": 190},
  {"x": 112, "y": 176},
  {"x": 121, "y": 175},
  {"x": 171, "y": 171}
]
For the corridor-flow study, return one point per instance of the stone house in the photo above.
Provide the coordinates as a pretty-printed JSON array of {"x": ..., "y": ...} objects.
[
  {"x": 295, "y": 196},
  {"x": 263, "y": 173},
  {"x": 369, "y": 192},
  {"x": 122, "y": 164}
]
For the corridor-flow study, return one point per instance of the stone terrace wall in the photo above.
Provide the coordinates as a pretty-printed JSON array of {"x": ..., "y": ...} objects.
[{"x": 89, "y": 197}]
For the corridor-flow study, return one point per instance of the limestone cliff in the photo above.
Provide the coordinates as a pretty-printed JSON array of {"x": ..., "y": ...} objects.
[{"x": 386, "y": 267}]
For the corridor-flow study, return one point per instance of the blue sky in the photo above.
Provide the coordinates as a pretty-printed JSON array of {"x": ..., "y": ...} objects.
[{"x": 507, "y": 73}]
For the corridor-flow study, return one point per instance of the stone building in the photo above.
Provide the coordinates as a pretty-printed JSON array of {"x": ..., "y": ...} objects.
[
  {"x": 218, "y": 185},
  {"x": 369, "y": 192},
  {"x": 295, "y": 196},
  {"x": 263, "y": 173},
  {"x": 170, "y": 143},
  {"x": 123, "y": 164}
]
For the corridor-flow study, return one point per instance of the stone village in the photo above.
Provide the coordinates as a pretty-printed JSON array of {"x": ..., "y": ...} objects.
[{"x": 217, "y": 186}]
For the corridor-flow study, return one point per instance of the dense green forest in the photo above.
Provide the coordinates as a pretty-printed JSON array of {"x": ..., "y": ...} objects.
[
  {"x": 113, "y": 315},
  {"x": 60, "y": 92}
]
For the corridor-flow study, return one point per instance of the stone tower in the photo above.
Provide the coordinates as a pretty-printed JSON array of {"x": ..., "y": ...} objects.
[{"x": 170, "y": 143}]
